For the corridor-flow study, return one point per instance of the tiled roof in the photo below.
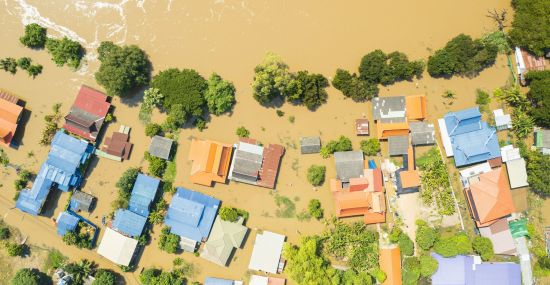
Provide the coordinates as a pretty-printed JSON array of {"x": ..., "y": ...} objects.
[
  {"x": 87, "y": 114},
  {"x": 416, "y": 107},
  {"x": 10, "y": 113},
  {"x": 211, "y": 161}
]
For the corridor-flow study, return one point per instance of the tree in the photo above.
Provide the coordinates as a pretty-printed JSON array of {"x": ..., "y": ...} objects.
[
  {"x": 377, "y": 67},
  {"x": 483, "y": 247},
  {"x": 125, "y": 185},
  {"x": 122, "y": 69},
  {"x": 425, "y": 235},
  {"x": 35, "y": 36},
  {"x": 104, "y": 277},
  {"x": 242, "y": 132},
  {"x": 152, "y": 129},
  {"x": 308, "y": 89},
  {"x": 305, "y": 263},
  {"x": 458, "y": 244},
  {"x": 229, "y": 214},
  {"x": 539, "y": 95},
  {"x": 522, "y": 124},
  {"x": 168, "y": 242},
  {"x": 157, "y": 165},
  {"x": 271, "y": 79},
  {"x": 153, "y": 276},
  {"x": 352, "y": 87},
  {"x": 530, "y": 27},
  {"x": 370, "y": 147},
  {"x": 342, "y": 144},
  {"x": 15, "y": 249},
  {"x": 151, "y": 98},
  {"x": 411, "y": 270},
  {"x": 428, "y": 265},
  {"x": 314, "y": 208},
  {"x": 80, "y": 271},
  {"x": 316, "y": 174},
  {"x": 462, "y": 56},
  {"x": 26, "y": 276},
  {"x": 65, "y": 51},
  {"x": 220, "y": 95},
  {"x": 405, "y": 244},
  {"x": 4, "y": 232},
  {"x": 538, "y": 167},
  {"x": 24, "y": 62},
  {"x": 34, "y": 70},
  {"x": 177, "y": 117},
  {"x": 9, "y": 64}
]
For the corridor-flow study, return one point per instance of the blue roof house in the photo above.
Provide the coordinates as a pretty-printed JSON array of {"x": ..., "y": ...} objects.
[
  {"x": 469, "y": 270},
  {"x": 128, "y": 223},
  {"x": 472, "y": 139},
  {"x": 61, "y": 169},
  {"x": 144, "y": 192},
  {"x": 191, "y": 214},
  {"x": 66, "y": 223},
  {"x": 218, "y": 281}
]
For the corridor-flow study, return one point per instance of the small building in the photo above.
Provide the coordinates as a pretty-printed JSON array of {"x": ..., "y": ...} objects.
[
  {"x": 517, "y": 173},
  {"x": 509, "y": 152},
  {"x": 501, "y": 237},
  {"x": 390, "y": 263},
  {"x": 211, "y": 161},
  {"x": 407, "y": 178},
  {"x": 10, "y": 115},
  {"x": 422, "y": 133},
  {"x": 223, "y": 239},
  {"x": 117, "y": 247},
  {"x": 219, "y": 281},
  {"x": 349, "y": 164},
  {"x": 542, "y": 140},
  {"x": 118, "y": 145},
  {"x": 266, "y": 254},
  {"x": 160, "y": 147},
  {"x": 473, "y": 172},
  {"x": 502, "y": 122},
  {"x": 389, "y": 109},
  {"x": 526, "y": 62},
  {"x": 362, "y": 127},
  {"x": 398, "y": 145},
  {"x": 310, "y": 145},
  {"x": 415, "y": 106},
  {"x": 191, "y": 215},
  {"x": 66, "y": 222},
  {"x": 143, "y": 194},
  {"x": 128, "y": 223},
  {"x": 87, "y": 114},
  {"x": 264, "y": 280},
  {"x": 81, "y": 201}
]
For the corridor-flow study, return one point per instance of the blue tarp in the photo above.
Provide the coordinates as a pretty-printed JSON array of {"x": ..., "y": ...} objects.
[
  {"x": 372, "y": 164},
  {"x": 191, "y": 214},
  {"x": 217, "y": 281},
  {"x": 143, "y": 193},
  {"x": 61, "y": 167},
  {"x": 66, "y": 223},
  {"x": 128, "y": 223}
]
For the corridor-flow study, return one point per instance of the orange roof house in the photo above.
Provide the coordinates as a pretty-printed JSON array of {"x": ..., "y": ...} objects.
[
  {"x": 10, "y": 113},
  {"x": 211, "y": 161},
  {"x": 386, "y": 130},
  {"x": 490, "y": 197},
  {"x": 390, "y": 263},
  {"x": 416, "y": 107}
]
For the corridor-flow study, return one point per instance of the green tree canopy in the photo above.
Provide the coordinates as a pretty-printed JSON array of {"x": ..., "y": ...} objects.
[
  {"x": 484, "y": 247},
  {"x": 316, "y": 174},
  {"x": 538, "y": 167},
  {"x": 65, "y": 51},
  {"x": 377, "y": 67},
  {"x": 122, "y": 69},
  {"x": 308, "y": 89},
  {"x": 539, "y": 95},
  {"x": 152, "y": 129},
  {"x": 411, "y": 270},
  {"x": 305, "y": 263},
  {"x": 26, "y": 276},
  {"x": 271, "y": 79},
  {"x": 314, "y": 208},
  {"x": 168, "y": 242},
  {"x": 220, "y": 95},
  {"x": 425, "y": 235},
  {"x": 342, "y": 144},
  {"x": 125, "y": 183},
  {"x": 34, "y": 37},
  {"x": 428, "y": 265},
  {"x": 458, "y": 244},
  {"x": 104, "y": 277},
  {"x": 370, "y": 147},
  {"x": 352, "y": 87},
  {"x": 531, "y": 25},
  {"x": 153, "y": 276}
]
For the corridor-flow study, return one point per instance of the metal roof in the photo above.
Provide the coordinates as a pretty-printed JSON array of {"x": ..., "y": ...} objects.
[
  {"x": 117, "y": 247},
  {"x": 310, "y": 145},
  {"x": 422, "y": 133},
  {"x": 143, "y": 193},
  {"x": 66, "y": 223},
  {"x": 81, "y": 201},
  {"x": 128, "y": 223},
  {"x": 388, "y": 108},
  {"x": 398, "y": 145},
  {"x": 160, "y": 147},
  {"x": 266, "y": 253},
  {"x": 224, "y": 238},
  {"x": 349, "y": 164}
]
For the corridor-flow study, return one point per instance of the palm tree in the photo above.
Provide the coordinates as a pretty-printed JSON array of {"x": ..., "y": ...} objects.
[{"x": 80, "y": 271}]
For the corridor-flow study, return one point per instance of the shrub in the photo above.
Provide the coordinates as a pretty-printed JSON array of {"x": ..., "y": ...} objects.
[
  {"x": 229, "y": 214},
  {"x": 220, "y": 95},
  {"x": 104, "y": 277},
  {"x": 482, "y": 97},
  {"x": 314, "y": 209},
  {"x": 539, "y": 95},
  {"x": 156, "y": 165},
  {"x": 65, "y": 51},
  {"x": 280, "y": 113},
  {"x": 530, "y": 27},
  {"x": 342, "y": 144},
  {"x": 168, "y": 242},
  {"x": 538, "y": 167},
  {"x": 352, "y": 87},
  {"x": 405, "y": 244},
  {"x": 122, "y": 69},
  {"x": 35, "y": 36},
  {"x": 428, "y": 266},
  {"x": 200, "y": 124},
  {"x": 271, "y": 79},
  {"x": 483, "y": 247},
  {"x": 458, "y": 244},
  {"x": 4, "y": 232},
  {"x": 425, "y": 235},
  {"x": 370, "y": 147},
  {"x": 9, "y": 64},
  {"x": 26, "y": 276},
  {"x": 152, "y": 129},
  {"x": 379, "y": 275},
  {"x": 411, "y": 270},
  {"x": 14, "y": 249},
  {"x": 316, "y": 175},
  {"x": 308, "y": 89},
  {"x": 242, "y": 132},
  {"x": 24, "y": 63},
  {"x": 34, "y": 70}
]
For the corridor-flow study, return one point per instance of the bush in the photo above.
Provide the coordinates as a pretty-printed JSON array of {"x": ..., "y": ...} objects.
[
  {"x": 65, "y": 51},
  {"x": 104, "y": 277},
  {"x": 314, "y": 209},
  {"x": 458, "y": 244},
  {"x": 35, "y": 36},
  {"x": 26, "y": 276},
  {"x": 242, "y": 132},
  {"x": 220, "y": 95},
  {"x": 229, "y": 214},
  {"x": 24, "y": 63},
  {"x": 280, "y": 113},
  {"x": 271, "y": 79},
  {"x": 125, "y": 184},
  {"x": 308, "y": 89},
  {"x": 461, "y": 56},
  {"x": 342, "y": 144},
  {"x": 539, "y": 95},
  {"x": 4, "y": 232},
  {"x": 177, "y": 117},
  {"x": 530, "y": 27},
  {"x": 428, "y": 266},
  {"x": 152, "y": 129},
  {"x": 482, "y": 97},
  {"x": 151, "y": 98},
  {"x": 538, "y": 167},
  {"x": 483, "y": 247},
  {"x": 168, "y": 242},
  {"x": 34, "y": 70},
  {"x": 377, "y": 67},
  {"x": 80, "y": 240},
  {"x": 316, "y": 175},
  {"x": 156, "y": 165},
  {"x": 405, "y": 244},
  {"x": 9, "y": 64},
  {"x": 411, "y": 270},
  {"x": 352, "y": 87},
  {"x": 14, "y": 249},
  {"x": 425, "y": 235},
  {"x": 122, "y": 69},
  {"x": 370, "y": 147}
]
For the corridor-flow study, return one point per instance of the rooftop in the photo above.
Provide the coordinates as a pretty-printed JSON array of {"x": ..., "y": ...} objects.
[
  {"x": 422, "y": 133},
  {"x": 81, "y": 201},
  {"x": 143, "y": 193},
  {"x": 128, "y": 223},
  {"x": 224, "y": 238},
  {"x": 256, "y": 165},
  {"x": 66, "y": 223},
  {"x": 266, "y": 253},
  {"x": 416, "y": 107},
  {"x": 118, "y": 145},
  {"x": 160, "y": 147},
  {"x": 211, "y": 161},
  {"x": 517, "y": 173},
  {"x": 87, "y": 114},
  {"x": 398, "y": 145},
  {"x": 117, "y": 247},
  {"x": 389, "y": 108},
  {"x": 362, "y": 127},
  {"x": 390, "y": 263},
  {"x": 310, "y": 145},
  {"x": 10, "y": 113},
  {"x": 349, "y": 164}
]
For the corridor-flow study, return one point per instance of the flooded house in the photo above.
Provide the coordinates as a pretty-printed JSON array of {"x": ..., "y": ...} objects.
[
  {"x": 266, "y": 254},
  {"x": 526, "y": 62},
  {"x": 210, "y": 161},
  {"x": 10, "y": 115},
  {"x": 390, "y": 263},
  {"x": 160, "y": 147},
  {"x": 310, "y": 145},
  {"x": 87, "y": 115},
  {"x": 224, "y": 238},
  {"x": 117, "y": 247}
]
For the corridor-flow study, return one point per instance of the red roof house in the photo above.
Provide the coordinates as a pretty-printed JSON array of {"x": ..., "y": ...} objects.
[{"x": 87, "y": 114}]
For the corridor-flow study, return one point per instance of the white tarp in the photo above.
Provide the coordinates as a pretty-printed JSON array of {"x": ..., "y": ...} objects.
[
  {"x": 266, "y": 253},
  {"x": 117, "y": 247}
]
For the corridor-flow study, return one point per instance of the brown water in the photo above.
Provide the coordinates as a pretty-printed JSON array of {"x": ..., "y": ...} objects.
[{"x": 230, "y": 37}]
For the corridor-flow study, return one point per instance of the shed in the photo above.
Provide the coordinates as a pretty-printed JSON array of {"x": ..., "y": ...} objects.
[
  {"x": 160, "y": 147},
  {"x": 517, "y": 173},
  {"x": 117, "y": 247},
  {"x": 266, "y": 253},
  {"x": 66, "y": 223},
  {"x": 81, "y": 201},
  {"x": 362, "y": 127},
  {"x": 502, "y": 122},
  {"x": 310, "y": 145},
  {"x": 398, "y": 145},
  {"x": 219, "y": 281},
  {"x": 349, "y": 164},
  {"x": 118, "y": 145},
  {"x": 422, "y": 133},
  {"x": 128, "y": 223}
]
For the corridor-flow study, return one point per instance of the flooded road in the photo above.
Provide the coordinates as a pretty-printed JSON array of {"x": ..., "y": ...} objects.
[{"x": 231, "y": 37}]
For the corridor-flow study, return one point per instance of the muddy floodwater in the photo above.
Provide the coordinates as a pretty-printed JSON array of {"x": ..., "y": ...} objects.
[{"x": 229, "y": 37}]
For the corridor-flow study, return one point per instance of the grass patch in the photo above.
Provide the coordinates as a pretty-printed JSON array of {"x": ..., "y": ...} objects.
[
  {"x": 285, "y": 207},
  {"x": 54, "y": 260},
  {"x": 170, "y": 172}
]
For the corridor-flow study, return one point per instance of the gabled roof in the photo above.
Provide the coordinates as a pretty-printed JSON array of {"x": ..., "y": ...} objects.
[
  {"x": 390, "y": 263},
  {"x": 464, "y": 121},
  {"x": 87, "y": 114},
  {"x": 256, "y": 165},
  {"x": 490, "y": 197},
  {"x": 160, "y": 147},
  {"x": 422, "y": 133},
  {"x": 10, "y": 113},
  {"x": 475, "y": 146},
  {"x": 118, "y": 145},
  {"x": 66, "y": 223},
  {"x": 416, "y": 107},
  {"x": 362, "y": 127},
  {"x": 211, "y": 161},
  {"x": 527, "y": 61},
  {"x": 266, "y": 253},
  {"x": 117, "y": 247},
  {"x": 224, "y": 238},
  {"x": 143, "y": 193},
  {"x": 349, "y": 164},
  {"x": 385, "y": 130},
  {"x": 191, "y": 214},
  {"x": 129, "y": 223}
]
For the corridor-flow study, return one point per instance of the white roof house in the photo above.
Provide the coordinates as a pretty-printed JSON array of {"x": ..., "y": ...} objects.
[
  {"x": 263, "y": 280},
  {"x": 445, "y": 137},
  {"x": 473, "y": 171},
  {"x": 117, "y": 247},
  {"x": 517, "y": 173},
  {"x": 502, "y": 122},
  {"x": 509, "y": 152},
  {"x": 266, "y": 253}
]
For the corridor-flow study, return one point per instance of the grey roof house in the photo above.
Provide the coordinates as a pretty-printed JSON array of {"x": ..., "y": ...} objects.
[
  {"x": 349, "y": 164},
  {"x": 310, "y": 145},
  {"x": 398, "y": 145},
  {"x": 223, "y": 239},
  {"x": 160, "y": 147},
  {"x": 247, "y": 162},
  {"x": 81, "y": 201},
  {"x": 422, "y": 133},
  {"x": 389, "y": 109}
]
